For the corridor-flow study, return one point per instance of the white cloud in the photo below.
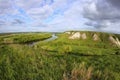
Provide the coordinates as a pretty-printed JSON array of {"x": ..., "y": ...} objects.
[
  {"x": 6, "y": 8},
  {"x": 102, "y": 15},
  {"x": 40, "y": 13},
  {"x": 26, "y": 5}
]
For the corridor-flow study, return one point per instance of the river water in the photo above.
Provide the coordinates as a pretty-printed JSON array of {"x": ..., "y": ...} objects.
[{"x": 46, "y": 40}]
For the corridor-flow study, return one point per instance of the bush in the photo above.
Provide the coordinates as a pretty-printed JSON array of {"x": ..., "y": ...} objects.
[{"x": 65, "y": 49}]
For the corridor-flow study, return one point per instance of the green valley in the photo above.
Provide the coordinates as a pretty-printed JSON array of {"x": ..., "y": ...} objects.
[{"x": 73, "y": 55}]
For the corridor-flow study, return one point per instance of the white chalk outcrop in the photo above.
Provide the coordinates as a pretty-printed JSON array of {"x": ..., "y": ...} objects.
[
  {"x": 68, "y": 32},
  {"x": 84, "y": 36},
  {"x": 95, "y": 37},
  {"x": 115, "y": 41},
  {"x": 78, "y": 35},
  {"x": 75, "y": 36}
]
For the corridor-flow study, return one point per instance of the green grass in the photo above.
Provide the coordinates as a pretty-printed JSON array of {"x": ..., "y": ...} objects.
[
  {"x": 61, "y": 59},
  {"x": 24, "y": 37}
]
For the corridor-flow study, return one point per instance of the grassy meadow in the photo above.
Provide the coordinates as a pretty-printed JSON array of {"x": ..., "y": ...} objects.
[{"x": 59, "y": 59}]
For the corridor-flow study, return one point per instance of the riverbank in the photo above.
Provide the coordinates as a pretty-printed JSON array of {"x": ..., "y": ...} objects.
[
  {"x": 24, "y": 38},
  {"x": 53, "y": 37}
]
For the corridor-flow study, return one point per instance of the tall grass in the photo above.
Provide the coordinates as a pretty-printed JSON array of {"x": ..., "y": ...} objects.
[
  {"x": 79, "y": 73},
  {"x": 61, "y": 59}
]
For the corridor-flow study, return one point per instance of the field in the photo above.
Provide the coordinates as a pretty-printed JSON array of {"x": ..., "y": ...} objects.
[{"x": 59, "y": 59}]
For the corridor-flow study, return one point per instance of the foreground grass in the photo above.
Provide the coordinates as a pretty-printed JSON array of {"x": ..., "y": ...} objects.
[{"x": 61, "y": 59}]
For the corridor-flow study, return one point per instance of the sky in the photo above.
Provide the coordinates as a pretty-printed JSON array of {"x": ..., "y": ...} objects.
[{"x": 59, "y": 15}]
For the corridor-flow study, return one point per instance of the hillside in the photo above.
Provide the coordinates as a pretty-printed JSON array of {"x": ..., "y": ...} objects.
[
  {"x": 108, "y": 38},
  {"x": 74, "y": 55},
  {"x": 88, "y": 43}
]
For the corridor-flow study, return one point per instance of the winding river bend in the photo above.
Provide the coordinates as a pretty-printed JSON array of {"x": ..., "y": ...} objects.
[{"x": 46, "y": 40}]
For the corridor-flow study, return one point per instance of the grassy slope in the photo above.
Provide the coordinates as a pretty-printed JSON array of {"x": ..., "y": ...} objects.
[
  {"x": 60, "y": 59},
  {"x": 85, "y": 47},
  {"x": 23, "y": 37}
]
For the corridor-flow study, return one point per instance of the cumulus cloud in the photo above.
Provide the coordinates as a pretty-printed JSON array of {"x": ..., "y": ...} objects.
[
  {"x": 36, "y": 9},
  {"x": 40, "y": 13},
  {"x": 17, "y": 21},
  {"x": 102, "y": 14},
  {"x": 24, "y": 4},
  {"x": 4, "y": 6},
  {"x": 115, "y": 3},
  {"x": 60, "y": 15},
  {"x": 2, "y": 22}
]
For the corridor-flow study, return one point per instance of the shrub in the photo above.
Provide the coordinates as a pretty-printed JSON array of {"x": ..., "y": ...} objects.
[{"x": 65, "y": 49}]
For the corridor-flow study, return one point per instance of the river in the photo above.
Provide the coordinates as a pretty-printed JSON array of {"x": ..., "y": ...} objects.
[{"x": 46, "y": 40}]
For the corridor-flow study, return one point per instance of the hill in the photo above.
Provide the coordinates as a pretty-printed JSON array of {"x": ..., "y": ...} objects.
[
  {"x": 74, "y": 55},
  {"x": 89, "y": 43},
  {"x": 108, "y": 38}
]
